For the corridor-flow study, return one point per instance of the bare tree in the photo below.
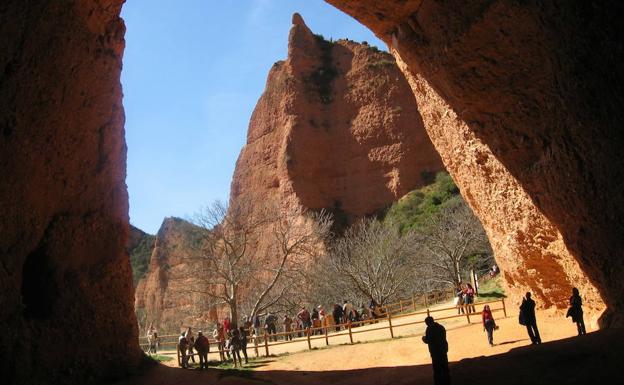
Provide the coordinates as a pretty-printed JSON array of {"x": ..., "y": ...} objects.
[
  {"x": 244, "y": 252},
  {"x": 370, "y": 260},
  {"x": 448, "y": 239}
]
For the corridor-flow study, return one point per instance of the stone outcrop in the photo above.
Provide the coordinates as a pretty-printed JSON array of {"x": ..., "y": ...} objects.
[
  {"x": 523, "y": 103},
  {"x": 337, "y": 128},
  {"x": 139, "y": 247},
  {"x": 65, "y": 280},
  {"x": 165, "y": 295}
]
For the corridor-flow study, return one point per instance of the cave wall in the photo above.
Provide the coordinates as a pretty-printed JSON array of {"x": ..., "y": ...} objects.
[
  {"x": 65, "y": 281},
  {"x": 523, "y": 99}
]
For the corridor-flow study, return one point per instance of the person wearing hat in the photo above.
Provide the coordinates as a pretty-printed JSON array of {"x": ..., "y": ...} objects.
[{"x": 202, "y": 345}]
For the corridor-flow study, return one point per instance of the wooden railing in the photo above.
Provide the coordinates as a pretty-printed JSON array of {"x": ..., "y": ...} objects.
[
  {"x": 346, "y": 329},
  {"x": 412, "y": 303}
]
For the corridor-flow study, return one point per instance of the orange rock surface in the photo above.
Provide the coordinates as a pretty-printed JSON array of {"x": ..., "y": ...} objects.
[
  {"x": 508, "y": 93},
  {"x": 336, "y": 128}
]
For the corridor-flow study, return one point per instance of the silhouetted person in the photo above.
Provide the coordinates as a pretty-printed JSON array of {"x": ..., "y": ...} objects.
[
  {"x": 527, "y": 318},
  {"x": 576, "y": 311},
  {"x": 243, "y": 342},
  {"x": 202, "y": 345},
  {"x": 435, "y": 338},
  {"x": 337, "y": 313},
  {"x": 488, "y": 323}
]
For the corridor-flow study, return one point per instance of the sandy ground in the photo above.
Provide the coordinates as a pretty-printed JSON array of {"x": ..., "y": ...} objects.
[{"x": 563, "y": 358}]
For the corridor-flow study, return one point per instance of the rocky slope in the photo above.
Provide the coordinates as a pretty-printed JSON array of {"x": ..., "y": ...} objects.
[
  {"x": 336, "y": 128},
  {"x": 511, "y": 94},
  {"x": 164, "y": 295},
  {"x": 139, "y": 247}
]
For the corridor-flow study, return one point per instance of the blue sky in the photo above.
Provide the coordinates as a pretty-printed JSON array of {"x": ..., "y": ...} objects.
[{"x": 192, "y": 73}]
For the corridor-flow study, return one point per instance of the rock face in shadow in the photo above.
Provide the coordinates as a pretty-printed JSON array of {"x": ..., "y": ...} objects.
[
  {"x": 337, "y": 128},
  {"x": 65, "y": 280},
  {"x": 523, "y": 100}
]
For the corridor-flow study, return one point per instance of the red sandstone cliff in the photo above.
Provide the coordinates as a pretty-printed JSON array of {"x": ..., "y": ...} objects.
[
  {"x": 337, "y": 128},
  {"x": 163, "y": 296}
]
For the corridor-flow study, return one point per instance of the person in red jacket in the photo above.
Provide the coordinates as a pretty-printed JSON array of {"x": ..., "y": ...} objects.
[
  {"x": 227, "y": 325},
  {"x": 488, "y": 323}
]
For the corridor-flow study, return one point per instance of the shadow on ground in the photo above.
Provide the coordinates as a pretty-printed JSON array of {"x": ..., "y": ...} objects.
[{"x": 595, "y": 358}]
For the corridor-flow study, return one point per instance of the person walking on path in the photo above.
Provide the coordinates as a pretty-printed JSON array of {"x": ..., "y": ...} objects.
[
  {"x": 435, "y": 338},
  {"x": 527, "y": 318},
  {"x": 243, "y": 342},
  {"x": 202, "y": 345},
  {"x": 576, "y": 311},
  {"x": 183, "y": 349},
  {"x": 488, "y": 323}
]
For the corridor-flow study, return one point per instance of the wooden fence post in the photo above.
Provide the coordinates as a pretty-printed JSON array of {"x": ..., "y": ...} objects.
[
  {"x": 350, "y": 334},
  {"x": 390, "y": 323},
  {"x": 401, "y": 305},
  {"x": 468, "y": 313},
  {"x": 256, "y": 346},
  {"x": 326, "y": 337},
  {"x": 426, "y": 302},
  {"x": 178, "y": 351},
  {"x": 504, "y": 309},
  {"x": 413, "y": 303},
  {"x": 266, "y": 344},
  {"x": 309, "y": 343}
]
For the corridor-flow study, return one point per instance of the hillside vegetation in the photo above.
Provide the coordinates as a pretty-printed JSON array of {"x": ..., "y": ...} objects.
[{"x": 413, "y": 210}]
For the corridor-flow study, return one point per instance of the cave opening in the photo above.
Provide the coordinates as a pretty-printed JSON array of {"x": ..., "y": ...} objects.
[{"x": 38, "y": 289}]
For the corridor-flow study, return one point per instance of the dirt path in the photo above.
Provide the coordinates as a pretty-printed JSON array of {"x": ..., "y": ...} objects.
[{"x": 562, "y": 359}]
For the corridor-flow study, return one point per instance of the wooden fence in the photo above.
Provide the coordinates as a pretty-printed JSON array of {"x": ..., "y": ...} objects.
[
  {"x": 412, "y": 303},
  {"x": 263, "y": 343}
]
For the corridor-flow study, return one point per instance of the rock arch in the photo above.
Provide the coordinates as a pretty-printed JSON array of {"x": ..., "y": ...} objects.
[{"x": 523, "y": 95}]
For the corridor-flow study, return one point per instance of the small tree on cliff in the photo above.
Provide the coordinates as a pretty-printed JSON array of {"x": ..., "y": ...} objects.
[
  {"x": 448, "y": 238},
  {"x": 245, "y": 251}
]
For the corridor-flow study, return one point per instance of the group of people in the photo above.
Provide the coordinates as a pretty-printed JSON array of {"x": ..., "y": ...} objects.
[
  {"x": 314, "y": 319},
  {"x": 435, "y": 334},
  {"x": 230, "y": 340},
  {"x": 464, "y": 298}
]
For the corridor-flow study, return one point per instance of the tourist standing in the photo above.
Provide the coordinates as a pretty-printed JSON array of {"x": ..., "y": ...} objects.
[
  {"x": 227, "y": 325},
  {"x": 527, "y": 318},
  {"x": 183, "y": 349},
  {"x": 488, "y": 323},
  {"x": 234, "y": 344},
  {"x": 469, "y": 294},
  {"x": 287, "y": 322},
  {"x": 243, "y": 342},
  {"x": 190, "y": 339},
  {"x": 304, "y": 317},
  {"x": 337, "y": 313},
  {"x": 219, "y": 335},
  {"x": 256, "y": 325},
  {"x": 202, "y": 345},
  {"x": 459, "y": 299},
  {"x": 269, "y": 325},
  {"x": 435, "y": 338},
  {"x": 576, "y": 311}
]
